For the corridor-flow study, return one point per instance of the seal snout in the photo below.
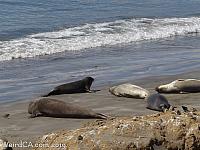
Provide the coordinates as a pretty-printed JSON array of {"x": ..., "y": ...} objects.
[{"x": 145, "y": 95}]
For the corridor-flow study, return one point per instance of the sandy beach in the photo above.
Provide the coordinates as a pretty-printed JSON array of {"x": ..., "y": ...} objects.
[
  {"x": 20, "y": 128},
  {"x": 44, "y": 44}
]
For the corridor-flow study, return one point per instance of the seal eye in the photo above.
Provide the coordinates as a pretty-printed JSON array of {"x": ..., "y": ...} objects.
[
  {"x": 145, "y": 95},
  {"x": 181, "y": 80}
]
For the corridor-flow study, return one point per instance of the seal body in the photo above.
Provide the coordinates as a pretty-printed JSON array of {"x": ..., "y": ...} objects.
[
  {"x": 80, "y": 86},
  {"x": 180, "y": 86},
  {"x": 59, "y": 109},
  {"x": 157, "y": 102},
  {"x": 129, "y": 90}
]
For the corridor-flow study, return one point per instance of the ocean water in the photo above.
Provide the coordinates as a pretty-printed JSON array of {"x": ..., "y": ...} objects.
[{"x": 47, "y": 43}]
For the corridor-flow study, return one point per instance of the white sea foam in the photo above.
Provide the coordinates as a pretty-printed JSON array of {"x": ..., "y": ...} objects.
[{"x": 96, "y": 35}]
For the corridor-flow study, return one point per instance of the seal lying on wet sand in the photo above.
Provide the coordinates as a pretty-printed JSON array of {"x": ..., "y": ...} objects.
[
  {"x": 180, "y": 86},
  {"x": 129, "y": 90},
  {"x": 80, "y": 86},
  {"x": 56, "y": 108},
  {"x": 157, "y": 102}
]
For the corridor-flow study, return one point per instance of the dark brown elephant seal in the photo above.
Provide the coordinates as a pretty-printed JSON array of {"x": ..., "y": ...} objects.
[
  {"x": 180, "y": 86},
  {"x": 157, "y": 102},
  {"x": 80, "y": 86},
  {"x": 55, "y": 108}
]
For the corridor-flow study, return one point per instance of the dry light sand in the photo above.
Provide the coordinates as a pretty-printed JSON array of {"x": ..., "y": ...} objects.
[{"x": 20, "y": 128}]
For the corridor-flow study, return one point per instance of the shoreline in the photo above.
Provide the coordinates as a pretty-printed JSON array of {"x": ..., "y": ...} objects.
[
  {"x": 20, "y": 128},
  {"x": 105, "y": 85}
]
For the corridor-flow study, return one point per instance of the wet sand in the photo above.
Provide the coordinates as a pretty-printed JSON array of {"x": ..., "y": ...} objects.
[{"x": 20, "y": 128}]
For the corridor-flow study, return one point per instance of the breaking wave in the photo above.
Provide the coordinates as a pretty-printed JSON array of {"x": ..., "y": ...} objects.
[{"x": 97, "y": 35}]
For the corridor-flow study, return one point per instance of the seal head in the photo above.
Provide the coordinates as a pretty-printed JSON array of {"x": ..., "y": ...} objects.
[
  {"x": 167, "y": 88},
  {"x": 157, "y": 102}
]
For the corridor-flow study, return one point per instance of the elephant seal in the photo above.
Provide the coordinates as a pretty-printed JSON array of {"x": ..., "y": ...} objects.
[
  {"x": 157, "y": 102},
  {"x": 129, "y": 90},
  {"x": 80, "y": 86},
  {"x": 4, "y": 145},
  {"x": 180, "y": 86},
  {"x": 55, "y": 108}
]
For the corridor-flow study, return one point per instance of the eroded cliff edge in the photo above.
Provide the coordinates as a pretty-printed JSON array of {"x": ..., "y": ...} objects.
[{"x": 170, "y": 130}]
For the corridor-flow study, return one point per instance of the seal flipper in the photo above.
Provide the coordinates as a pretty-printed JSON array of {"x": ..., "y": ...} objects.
[
  {"x": 89, "y": 91},
  {"x": 164, "y": 107},
  {"x": 32, "y": 116},
  {"x": 103, "y": 116},
  {"x": 35, "y": 115},
  {"x": 92, "y": 91},
  {"x": 182, "y": 92},
  {"x": 53, "y": 92}
]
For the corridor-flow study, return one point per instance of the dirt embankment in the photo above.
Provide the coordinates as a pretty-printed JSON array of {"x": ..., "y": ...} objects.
[{"x": 170, "y": 130}]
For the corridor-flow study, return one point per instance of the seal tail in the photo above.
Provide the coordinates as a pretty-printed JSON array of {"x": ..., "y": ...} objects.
[
  {"x": 46, "y": 95},
  {"x": 103, "y": 116},
  {"x": 53, "y": 92}
]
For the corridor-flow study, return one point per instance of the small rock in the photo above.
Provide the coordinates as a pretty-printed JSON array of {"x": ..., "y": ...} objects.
[
  {"x": 6, "y": 116},
  {"x": 178, "y": 112},
  {"x": 194, "y": 109},
  {"x": 80, "y": 137},
  {"x": 185, "y": 109}
]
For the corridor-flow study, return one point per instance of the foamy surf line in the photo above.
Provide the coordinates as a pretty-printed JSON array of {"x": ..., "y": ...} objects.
[{"x": 97, "y": 35}]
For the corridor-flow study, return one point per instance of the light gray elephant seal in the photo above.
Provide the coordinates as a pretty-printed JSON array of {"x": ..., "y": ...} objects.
[
  {"x": 55, "y": 108},
  {"x": 129, "y": 90},
  {"x": 80, "y": 86},
  {"x": 157, "y": 102},
  {"x": 180, "y": 86}
]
